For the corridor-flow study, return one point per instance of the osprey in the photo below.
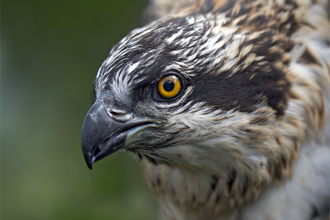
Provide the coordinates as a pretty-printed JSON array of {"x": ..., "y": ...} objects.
[{"x": 226, "y": 103}]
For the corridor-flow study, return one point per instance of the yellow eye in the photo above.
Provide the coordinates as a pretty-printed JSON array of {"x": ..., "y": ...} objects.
[{"x": 169, "y": 86}]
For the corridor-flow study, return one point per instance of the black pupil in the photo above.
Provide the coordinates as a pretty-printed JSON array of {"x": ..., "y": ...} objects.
[{"x": 168, "y": 86}]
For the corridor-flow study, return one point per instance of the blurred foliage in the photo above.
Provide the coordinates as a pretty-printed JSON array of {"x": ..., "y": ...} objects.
[{"x": 50, "y": 53}]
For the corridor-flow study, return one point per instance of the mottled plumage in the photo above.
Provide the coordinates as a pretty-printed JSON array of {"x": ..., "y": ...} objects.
[{"x": 248, "y": 136}]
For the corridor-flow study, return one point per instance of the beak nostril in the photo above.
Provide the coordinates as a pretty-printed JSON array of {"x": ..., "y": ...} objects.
[
  {"x": 120, "y": 115},
  {"x": 117, "y": 112}
]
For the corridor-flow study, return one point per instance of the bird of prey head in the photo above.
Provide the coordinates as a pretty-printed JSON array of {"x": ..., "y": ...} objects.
[
  {"x": 203, "y": 89},
  {"x": 193, "y": 91}
]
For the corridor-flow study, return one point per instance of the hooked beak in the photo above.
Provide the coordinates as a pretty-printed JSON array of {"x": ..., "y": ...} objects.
[{"x": 103, "y": 134}]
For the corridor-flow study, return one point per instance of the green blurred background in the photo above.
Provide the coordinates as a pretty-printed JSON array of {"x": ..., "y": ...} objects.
[{"x": 50, "y": 53}]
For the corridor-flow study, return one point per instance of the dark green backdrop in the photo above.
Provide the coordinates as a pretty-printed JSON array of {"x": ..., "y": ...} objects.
[{"x": 50, "y": 53}]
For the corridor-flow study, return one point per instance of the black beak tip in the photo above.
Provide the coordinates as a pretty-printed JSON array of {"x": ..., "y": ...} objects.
[
  {"x": 90, "y": 166},
  {"x": 89, "y": 161},
  {"x": 88, "y": 155}
]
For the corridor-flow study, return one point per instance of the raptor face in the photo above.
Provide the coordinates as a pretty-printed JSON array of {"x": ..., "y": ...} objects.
[
  {"x": 228, "y": 98},
  {"x": 192, "y": 92}
]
